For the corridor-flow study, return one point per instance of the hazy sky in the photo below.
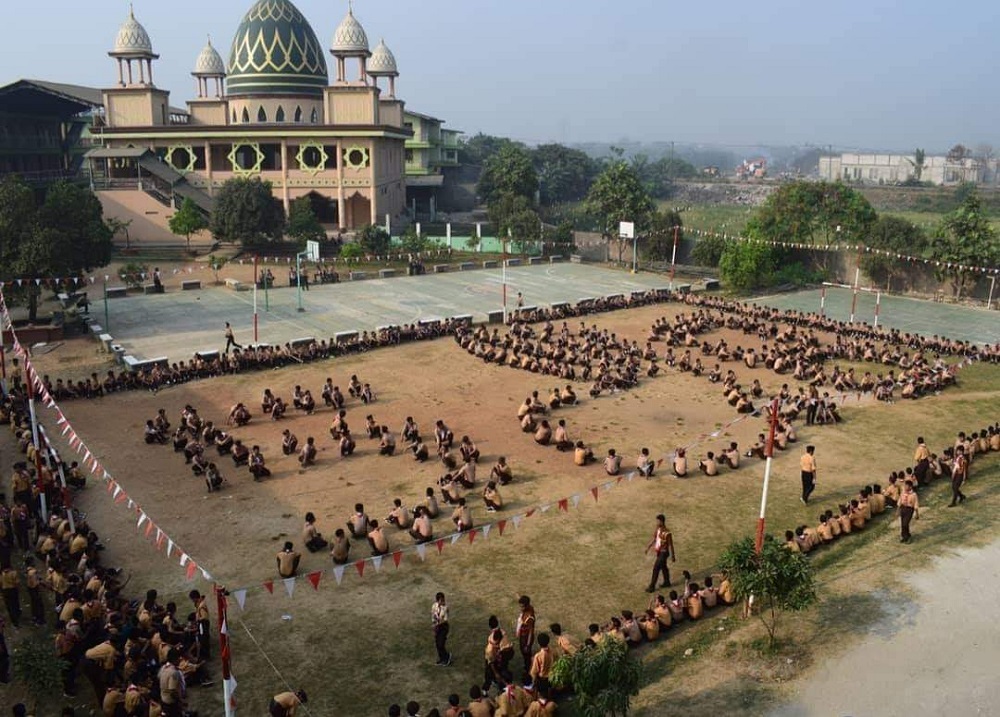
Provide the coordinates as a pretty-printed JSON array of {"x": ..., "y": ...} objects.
[{"x": 855, "y": 73}]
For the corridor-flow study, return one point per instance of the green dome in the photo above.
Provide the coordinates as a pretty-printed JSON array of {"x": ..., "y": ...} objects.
[{"x": 275, "y": 52}]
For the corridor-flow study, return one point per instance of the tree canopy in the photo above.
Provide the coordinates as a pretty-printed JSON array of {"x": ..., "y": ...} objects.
[
  {"x": 564, "y": 174},
  {"x": 187, "y": 220},
  {"x": 658, "y": 241},
  {"x": 374, "y": 239},
  {"x": 897, "y": 236},
  {"x": 515, "y": 217},
  {"x": 618, "y": 195},
  {"x": 475, "y": 150},
  {"x": 748, "y": 265},
  {"x": 964, "y": 238},
  {"x": 246, "y": 212},
  {"x": 509, "y": 171},
  {"x": 302, "y": 224},
  {"x": 60, "y": 237},
  {"x": 778, "y": 579},
  {"x": 817, "y": 213},
  {"x": 604, "y": 678}
]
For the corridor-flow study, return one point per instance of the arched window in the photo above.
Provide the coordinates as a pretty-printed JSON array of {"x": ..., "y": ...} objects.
[
  {"x": 279, "y": 116},
  {"x": 298, "y": 114},
  {"x": 234, "y": 116},
  {"x": 314, "y": 118},
  {"x": 246, "y": 116},
  {"x": 261, "y": 115}
]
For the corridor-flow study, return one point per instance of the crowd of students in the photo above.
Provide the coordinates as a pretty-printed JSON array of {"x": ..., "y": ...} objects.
[{"x": 138, "y": 655}]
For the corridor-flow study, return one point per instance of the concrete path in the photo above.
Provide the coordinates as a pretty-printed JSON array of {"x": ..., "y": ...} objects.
[
  {"x": 938, "y": 655},
  {"x": 178, "y": 323}
]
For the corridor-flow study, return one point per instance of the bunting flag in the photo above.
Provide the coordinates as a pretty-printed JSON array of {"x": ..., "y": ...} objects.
[
  {"x": 269, "y": 586},
  {"x": 241, "y": 598},
  {"x": 563, "y": 505},
  {"x": 422, "y": 551},
  {"x": 338, "y": 573},
  {"x": 501, "y": 524},
  {"x": 397, "y": 557},
  {"x": 289, "y": 586},
  {"x": 486, "y": 529},
  {"x": 360, "y": 567},
  {"x": 314, "y": 578},
  {"x": 594, "y": 491},
  {"x": 377, "y": 562}
]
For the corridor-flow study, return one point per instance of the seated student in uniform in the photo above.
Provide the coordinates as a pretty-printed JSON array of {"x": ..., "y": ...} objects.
[
  {"x": 567, "y": 396},
  {"x": 430, "y": 506},
  {"x": 823, "y": 531},
  {"x": 154, "y": 434},
  {"x": 709, "y": 594},
  {"x": 708, "y": 466},
  {"x": 681, "y": 463},
  {"x": 451, "y": 490},
  {"x": 791, "y": 543},
  {"x": 582, "y": 456},
  {"x": 358, "y": 523},
  {"x": 645, "y": 464},
  {"x": 501, "y": 472},
  {"x": 613, "y": 463},
  {"x": 730, "y": 456},
  {"x": 650, "y": 625},
  {"x": 876, "y": 500},
  {"x": 387, "y": 444},
  {"x": 804, "y": 539},
  {"x": 199, "y": 464},
  {"x": 256, "y": 464},
  {"x": 561, "y": 437},
  {"x": 492, "y": 498},
  {"x": 288, "y": 561},
  {"x": 857, "y": 516},
  {"x": 553, "y": 401},
  {"x": 758, "y": 448},
  {"x": 340, "y": 548},
  {"x": 213, "y": 478},
  {"x": 347, "y": 443},
  {"x": 311, "y": 537},
  {"x": 834, "y": 523},
  {"x": 693, "y": 605},
  {"x": 240, "y": 453},
  {"x": 421, "y": 531},
  {"x": 400, "y": 515},
  {"x": 676, "y": 607},
  {"x": 447, "y": 459},
  {"x": 565, "y": 645},
  {"x": 528, "y": 424},
  {"x": 410, "y": 432},
  {"x": 224, "y": 443},
  {"x": 891, "y": 493},
  {"x": 462, "y": 516},
  {"x": 372, "y": 427},
  {"x": 278, "y": 409},
  {"x": 726, "y": 594},
  {"x": 376, "y": 539},
  {"x": 468, "y": 450},
  {"x": 630, "y": 629},
  {"x": 338, "y": 425},
  {"x": 544, "y": 434},
  {"x": 420, "y": 451},
  {"x": 466, "y": 475},
  {"x": 307, "y": 456}
]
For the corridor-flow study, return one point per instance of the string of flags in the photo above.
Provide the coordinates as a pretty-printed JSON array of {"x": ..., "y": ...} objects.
[
  {"x": 145, "y": 525},
  {"x": 860, "y": 248}
]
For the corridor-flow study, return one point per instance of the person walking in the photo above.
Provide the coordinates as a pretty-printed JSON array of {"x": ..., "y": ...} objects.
[
  {"x": 439, "y": 623},
  {"x": 959, "y": 474},
  {"x": 808, "y": 466},
  {"x": 663, "y": 544},
  {"x": 230, "y": 338},
  {"x": 909, "y": 508}
]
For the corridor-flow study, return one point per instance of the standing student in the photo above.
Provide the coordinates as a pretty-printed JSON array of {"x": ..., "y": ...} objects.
[
  {"x": 201, "y": 616},
  {"x": 909, "y": 508},
  {"x": 808, "y": 466},
  {"x": 439, "y": 623},
  {"x": 230, "y": 338},
  {"x": 663, "y": 544},
  {"x": 959, "y": 474},
  {"x": 526, "y": 631}
]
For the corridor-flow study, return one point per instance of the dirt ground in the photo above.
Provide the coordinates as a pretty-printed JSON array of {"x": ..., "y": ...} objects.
[{"x": 366, "y": 643}]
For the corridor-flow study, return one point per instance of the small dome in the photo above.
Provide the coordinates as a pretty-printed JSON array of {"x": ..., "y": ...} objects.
[
  {"x": 209, "y": 62},
  {"x": 350, "y": 37},
  {"x": 132, "y": 38},
  {"x": 276, "y": 52},
  {"x": 382, "y": 61}
]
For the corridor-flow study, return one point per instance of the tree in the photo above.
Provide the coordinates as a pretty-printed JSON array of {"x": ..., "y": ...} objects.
[
  {"x": 475, "y": 150},
  {"x": 958, "y": 153},
  {"x": 748, "y": 265},
  {"x": 187, "y": 220},
  {"x": 60, "y": 237},
  {"x": 894, "y": 235},
  {"x": 657, "y": 242},
  {"x": 509, "y": 171},
  {"x": 964, "y": 238},
  {"x": 617, "y": 195},
  {"x": 246, "y": 212},
  {"x": 411, "y": 242},
  {"x": 604, "y": 677},
  {"x": 817, "y": 213},
  {"x": 918, "y": 161},
  {"x": 302, "y": 224},
  {"x": 564, "y": 174},
  {"x": 778, "y": 579},
  {"x": 658, "y": 177},
  {"x": 708, "y": 250},
  {"x": 215, "y": 263},
  {"x": 118, "y": 225},
  {"x": 374, "y": 239},
  {"x": 515, "y": 217}
]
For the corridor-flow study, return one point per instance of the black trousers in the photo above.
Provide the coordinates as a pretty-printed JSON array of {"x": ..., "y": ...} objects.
[
  {"x": 957, "y": 496},
  {"x": 440, "y": 639},
  {"x": 37, "y": 607},
  {"x": 905, "y": 516},
  {"x": 12, "y": 599},
  {"x": 808, "y": 484},
  {"x": 660, "y": 566}
]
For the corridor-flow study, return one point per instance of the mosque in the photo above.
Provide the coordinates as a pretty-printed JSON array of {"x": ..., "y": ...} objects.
[{"x": 271, "y": 111}]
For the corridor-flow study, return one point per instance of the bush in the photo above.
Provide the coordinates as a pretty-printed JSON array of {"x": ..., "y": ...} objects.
[
  {"x": 375, "y": 240},
  {"x": 351, "y": 250},
  {"x": 411, "y": 242},
  {"x": 38, "y": 668},
  {"x": 132, "y": 274},
  {"x": 746, "y": 266},
  {"x": 708, "y": 250}
]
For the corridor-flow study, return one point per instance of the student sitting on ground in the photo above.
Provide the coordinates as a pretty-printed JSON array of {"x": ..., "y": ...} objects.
[
  {"x": 387, "y": 444},
  {"x": 311, "y": 537},
  {"x": 307, "y": 456},
  {"x": 544, "y": 434},
  {"x": 681, "y": 463},
  {"x": 613, "y": 463},
  {"x": 645, "y": 464},
  {"x": 468, "y": 450},
  {"x": 708, "y": 466},
  {"x": 491, "y": 497},
  {"x": 256, "y": 463},
  {"x": 731, "y": 456},
  {"x": 561, "y": 437},
  {"x": 340, "y": 548},
  {"x": 347, "y": 443},
  {"x": 582, "y": 456},
  {"x": 358, "y": 523},
  {"x": 376, "y": 539},
  {"x": 400, "y": 515},
  {"x": 422, "y": 531},
  {"x": 289, "y": 442},
  {"x": 213, "y": 478},
  {"x": 501, "y": 471},
  {"x": 420, "y": 452},
  {"x": 462, "y": 516}
]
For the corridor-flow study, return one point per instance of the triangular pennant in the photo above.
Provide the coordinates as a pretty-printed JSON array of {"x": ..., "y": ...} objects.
[
  {"x": 184, "y": 559},
  {"x": 289, "y": 586},
  {"x": 630, "y": 477},
  {"x": 563, "y": 505},
  {"x": 121, "y": 497},
  {"x": 241, "y": 598},
  {"x": 516, "y": 520},
  {"x": 486, "y": 529},
  {"x": 142, "y": 519},
  {"x": 397, "y": 557},
  {"x": 472, "y": 535},
  {"x": 160, "y": 537},
  {"x": 575, "y": 499},
  {"x": 338, "y": 573},
  {"x": 501, "y": 524},
  {"x": 269, "y": 586},
  {"x": 455, "y": 537},
  {"x": 594, "y": 491},
  {"x": 440, "y": 544},
  {"x": 205, "y": 574},
  {"x": 360, "y": 566},
  {"x": 422, "y": 551},
  {"x": 530, "y": 513},
  {"x": 192, "y": 568},
  {"x": 543, "y": 508},
  {"x": 314, "y": 578},
  {"x": 112, "y": 486},
  {"x": 377, "y": 562}
]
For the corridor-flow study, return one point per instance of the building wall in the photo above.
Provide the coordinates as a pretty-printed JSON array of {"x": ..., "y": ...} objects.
[
  {"x": 247, "y": 110},
  {"x": 898, "y": 168},
  {"x": 140, "y": 107},
  {"x": 352, "y": 105}
]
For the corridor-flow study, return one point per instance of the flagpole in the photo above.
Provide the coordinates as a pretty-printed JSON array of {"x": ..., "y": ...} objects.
[
  {"x": 228, "y": 683},
  {"x": 769, "y": 454}
]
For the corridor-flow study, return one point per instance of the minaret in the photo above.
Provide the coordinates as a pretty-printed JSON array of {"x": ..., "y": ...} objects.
[
  {"x": 135, "y": 101},
  {"x": 211, "y": 106}
]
